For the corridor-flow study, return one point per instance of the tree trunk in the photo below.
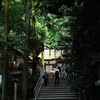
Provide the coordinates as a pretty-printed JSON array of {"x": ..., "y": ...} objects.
[
  {"x": 26, "y": 53},
  {"x": 5, "y": 64},
  {"x": 33, "y": 28}
]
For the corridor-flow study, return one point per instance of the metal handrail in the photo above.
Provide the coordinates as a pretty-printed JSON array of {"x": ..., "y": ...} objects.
[{"x": 38, "y": 87}]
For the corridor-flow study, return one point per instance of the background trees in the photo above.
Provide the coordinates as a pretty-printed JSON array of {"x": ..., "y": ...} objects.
[
  {"x": 26, "y": 51},
  {"x": 72, "y": 25},
  {"x": 84, "y": 30}
]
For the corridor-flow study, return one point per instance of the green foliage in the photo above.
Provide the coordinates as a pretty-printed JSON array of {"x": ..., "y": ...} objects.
[
  {"x": 1, "y": 22},
  {"x": 50, "y": 28},
  {"x": 47, "y": 25},
  {"x": 84, "y": 31},
  {"x": 16, "y": 17},
  {"x": 16, "y": 23},
  {"x": 72, "y": 25},
  {"x": 32, "y": 81}
]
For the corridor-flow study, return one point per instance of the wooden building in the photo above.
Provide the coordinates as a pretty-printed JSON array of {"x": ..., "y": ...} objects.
[{"x": 51, "y": 56}]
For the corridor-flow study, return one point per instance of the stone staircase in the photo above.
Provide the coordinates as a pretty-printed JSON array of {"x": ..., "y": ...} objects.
[{"x": 58, "y": 92}]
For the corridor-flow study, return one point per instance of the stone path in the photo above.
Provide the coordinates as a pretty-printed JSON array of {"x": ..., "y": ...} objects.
[{"x": 58, "y": 92}]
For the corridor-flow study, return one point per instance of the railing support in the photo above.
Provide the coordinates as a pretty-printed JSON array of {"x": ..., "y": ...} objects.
[{"x": 38, "y": 87}]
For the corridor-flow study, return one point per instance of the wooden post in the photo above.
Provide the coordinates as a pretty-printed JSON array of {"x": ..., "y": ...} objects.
[{"x": 42, "y": 56}]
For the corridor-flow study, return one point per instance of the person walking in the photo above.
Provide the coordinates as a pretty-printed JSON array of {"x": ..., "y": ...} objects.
[
  {"x": 45, "y": 77},
  {"x": 63, "y": 72},
  {"x": 57, "y": 77}
]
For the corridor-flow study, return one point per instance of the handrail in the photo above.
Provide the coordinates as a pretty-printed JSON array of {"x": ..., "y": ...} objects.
[{"x": 38, "y": 87}]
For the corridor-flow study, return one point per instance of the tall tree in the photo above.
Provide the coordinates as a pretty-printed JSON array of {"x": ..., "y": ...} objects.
[
  {"x": 34, "y": 35},
  {"x": 85, "y": 41},
  {"x": 5, "y": 64},
  {"x": 26, "y": 52}
]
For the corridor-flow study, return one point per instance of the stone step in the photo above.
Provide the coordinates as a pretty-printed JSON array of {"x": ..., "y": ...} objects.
[
  {"x": 58, "y": 92},
  {"x": 56, "y": 86},
  {"x": 58, "y": 98},
  {"x": 58, "y": 89},
  {"x": 58, "y": 95},
  {"x": 55, "y": 91}
]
